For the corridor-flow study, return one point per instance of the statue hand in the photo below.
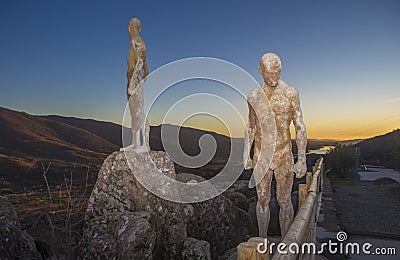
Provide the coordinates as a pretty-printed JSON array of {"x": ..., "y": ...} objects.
[
  {"x": 131, "y": 87},
  {"x": 300, "y": 168},
  {"x": 248, "y": 164}
]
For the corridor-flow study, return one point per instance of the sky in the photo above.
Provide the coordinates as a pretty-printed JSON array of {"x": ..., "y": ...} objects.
[{"x": 69, "y": 58}]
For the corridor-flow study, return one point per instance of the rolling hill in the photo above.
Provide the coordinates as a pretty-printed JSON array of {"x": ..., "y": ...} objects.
[
  {"x": 26, "y": 141},
  {"x": 382, "y": 150},
  {"x": 108, "y": 131},
  {"x": 24, "y": 137}
]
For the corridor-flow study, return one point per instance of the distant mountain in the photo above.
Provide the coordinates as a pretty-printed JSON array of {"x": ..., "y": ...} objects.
[
  {"x": 188, "y": 137},
  {"x": 188, "y": 140},
  {"x": 72, "y": 143},
  {"x": 106, "y": 130},
  {"x": 25, "y": 136},
  {"x": 26, "y": 141},
  {"x": 382, "y": 150}
]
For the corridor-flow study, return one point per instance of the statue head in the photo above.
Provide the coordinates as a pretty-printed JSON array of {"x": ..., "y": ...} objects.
[
  {"x": 270, "y": 69},
  {"x": 134, "y": 27}
]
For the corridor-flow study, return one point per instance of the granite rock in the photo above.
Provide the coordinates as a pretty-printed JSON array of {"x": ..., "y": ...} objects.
[
  {"x": 118, "y": 190},
  {"x": 217, "y": 221},
  {"x": 194, "y": 249},
  {"x": 120, "y": 235},
  {"x": 14, "y": 243}
]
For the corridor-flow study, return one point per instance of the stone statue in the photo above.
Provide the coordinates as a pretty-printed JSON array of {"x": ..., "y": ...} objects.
[
  {"x": 285, "y": 105},
  {"x": 136, "y": 75}
]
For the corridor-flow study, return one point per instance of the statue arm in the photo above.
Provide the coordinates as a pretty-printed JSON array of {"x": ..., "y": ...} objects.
[
  {"x": 145, "y": 68},
  {"x": 140, "y": 70},
  {"x": 301, "y": 137},
  {"x": 132, "y": 63},
  {"x": 249, "y": 137}
]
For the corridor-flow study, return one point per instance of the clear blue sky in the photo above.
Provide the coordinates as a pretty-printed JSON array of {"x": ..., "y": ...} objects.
[{"x": 69, "y": 57}]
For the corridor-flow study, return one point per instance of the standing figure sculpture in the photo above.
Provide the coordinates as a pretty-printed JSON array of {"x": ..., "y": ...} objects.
[
  {"x": 285, "y": 104},
  {"x": 136, "y": 75}
]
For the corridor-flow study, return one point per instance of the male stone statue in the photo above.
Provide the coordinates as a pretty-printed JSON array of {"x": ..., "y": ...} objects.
[
  {"x": 136, "y": 75},
  {"x": 285, "y": 105}
]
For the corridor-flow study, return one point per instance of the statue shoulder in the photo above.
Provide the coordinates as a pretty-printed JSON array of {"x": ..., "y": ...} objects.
[
  {"x": 253, "y": 93},
  {"x": 143, "y": 45},
  {"x": 289, "y": 91}
]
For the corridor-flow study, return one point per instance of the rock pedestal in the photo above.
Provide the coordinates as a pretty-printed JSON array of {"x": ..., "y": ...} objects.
[
  {"x": 118, "y": 191},
  {"x": 125, "y": 220}
]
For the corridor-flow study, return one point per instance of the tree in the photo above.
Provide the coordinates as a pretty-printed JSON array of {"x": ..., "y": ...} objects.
[{"x": 340, "y": 159}]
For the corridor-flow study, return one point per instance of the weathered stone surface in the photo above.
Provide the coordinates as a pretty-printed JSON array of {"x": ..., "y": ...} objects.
[
  {"x": 218, "y": 221},
  {"x": 119, "y": 235},
  {"x": 238, "y": 199},
  {"x": 194, "y": 249},
  {"x": 188, "y": 177},
  {"x": 7, "y": 213},
  {"x": 240, "y": 186},
  {"x": 14, "y": 243},
  {"x": 229, "y": 254},
  {"x": 113, "y": 192},
  {"x": 118, "y": 190}
]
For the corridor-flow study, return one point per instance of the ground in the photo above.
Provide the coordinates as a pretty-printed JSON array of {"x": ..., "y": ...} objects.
[{"x": 369, "y": 208}]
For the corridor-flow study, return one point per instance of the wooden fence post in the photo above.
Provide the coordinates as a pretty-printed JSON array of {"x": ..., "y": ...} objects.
[
  {"x": 308, "y": 180},
  {"x": 248, "y": 251},
  {"x": 302, "y": 194}
]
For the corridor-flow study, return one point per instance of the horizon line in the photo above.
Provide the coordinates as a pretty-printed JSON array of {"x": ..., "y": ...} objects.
[{"x": 201, "y": 129}]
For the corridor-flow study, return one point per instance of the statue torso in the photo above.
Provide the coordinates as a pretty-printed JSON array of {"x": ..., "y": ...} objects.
[{"x": 280, "y": 100}]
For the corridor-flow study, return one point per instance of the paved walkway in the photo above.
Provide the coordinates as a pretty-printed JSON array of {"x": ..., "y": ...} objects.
[{"x": 375, "y": 173}]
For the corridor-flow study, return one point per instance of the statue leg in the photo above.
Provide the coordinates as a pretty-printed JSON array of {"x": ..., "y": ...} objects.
[
  {"x": 264, "y": 196},
  {"x": 284, "y": 183},
  {"x": 144, "y": 128},
  {"x": 135, "y": 119},
  {"x": 147, "y": 134}
]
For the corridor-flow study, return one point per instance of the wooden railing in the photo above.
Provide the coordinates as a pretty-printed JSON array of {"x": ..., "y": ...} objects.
[{"x": 303, "y": 228}]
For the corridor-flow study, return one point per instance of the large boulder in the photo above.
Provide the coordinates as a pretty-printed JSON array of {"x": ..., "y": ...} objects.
[
  {"x": 240, "y": 186},
  {"x": 217, "y": 221},
  {"x": 238, "y": 199},
  {"x": 14, "y": 243},
  {"x": 118, "y": 190}
]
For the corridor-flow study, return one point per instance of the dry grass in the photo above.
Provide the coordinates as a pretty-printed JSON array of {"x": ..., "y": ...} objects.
[{"x": 55, "y": 215}]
